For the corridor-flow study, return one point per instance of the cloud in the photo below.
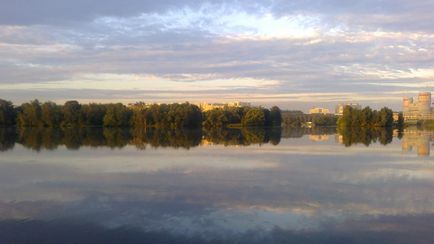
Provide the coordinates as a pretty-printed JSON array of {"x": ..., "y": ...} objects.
[
  {"x": 145, "y": 82},
  {"x": 266, "y": 49}
]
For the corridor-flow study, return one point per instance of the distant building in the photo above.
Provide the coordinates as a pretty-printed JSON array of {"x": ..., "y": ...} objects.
[
  {"x": 420, "y": 110},
  {"x": 319, "y": 111},
  {"x": 238, "y": 104},
  {"x": 210, "y": 106},
  {"x": 340, "y": 108}
]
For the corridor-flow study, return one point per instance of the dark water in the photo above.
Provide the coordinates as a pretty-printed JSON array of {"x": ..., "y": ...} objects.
[{"x": 223, "y": 186}]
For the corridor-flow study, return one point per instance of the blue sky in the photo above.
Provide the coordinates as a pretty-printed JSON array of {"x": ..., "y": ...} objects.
[{"x": 295, "y": 54}]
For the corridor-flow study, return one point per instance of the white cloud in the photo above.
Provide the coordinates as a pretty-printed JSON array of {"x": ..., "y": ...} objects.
[
  {"x": 219, "y": 21},
  {"x": 110, "y": 81},
  {"x": 256, "y": 51}
]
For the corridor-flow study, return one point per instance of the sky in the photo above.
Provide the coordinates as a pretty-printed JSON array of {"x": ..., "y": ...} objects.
[{"x": 294, "y": 54}]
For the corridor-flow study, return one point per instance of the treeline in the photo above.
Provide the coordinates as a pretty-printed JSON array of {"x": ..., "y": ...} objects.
[
  {"x": 242, "y": 116},
  {"x": 175, "y": 115},
  {"x": 70, "y": 114},
  {"x": 368, "y": 118},
  {"x": 73, "y": 114},
  {"x": 296, "y": 119}
]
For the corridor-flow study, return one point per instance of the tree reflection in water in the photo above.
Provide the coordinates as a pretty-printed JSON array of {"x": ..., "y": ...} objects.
[
  {"x": 74, "y": 138},
  {"x": 365, "y": 136}
]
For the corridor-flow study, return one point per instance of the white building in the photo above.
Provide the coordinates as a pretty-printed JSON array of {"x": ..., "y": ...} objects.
[
  {"x": 316, "y": 110},
  {"x": 210, "y": 106}
]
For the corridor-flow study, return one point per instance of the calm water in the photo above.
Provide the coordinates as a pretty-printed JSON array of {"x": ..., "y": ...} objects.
[{"x": 272, "y": 186}]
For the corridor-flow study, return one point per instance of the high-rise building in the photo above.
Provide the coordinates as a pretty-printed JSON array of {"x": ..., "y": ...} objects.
[{"x": 420, "y": 110}]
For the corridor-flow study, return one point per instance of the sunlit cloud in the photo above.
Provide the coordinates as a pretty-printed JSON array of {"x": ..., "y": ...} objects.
[
  {"x": 218, "y": 20},
  {"x": 146, "y": 83},
  {"x": 261, "y": 51}
]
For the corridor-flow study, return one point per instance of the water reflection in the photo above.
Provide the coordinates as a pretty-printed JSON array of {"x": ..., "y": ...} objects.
[
  {"x": 365, "y": 136},
  {"x": 418, "y": 139},
  {"x": 296, "y": 187},
  {"x": 74, "y": 138},
  {"x": 7, "y": 138},
  {"x": 315, "y": 131}
]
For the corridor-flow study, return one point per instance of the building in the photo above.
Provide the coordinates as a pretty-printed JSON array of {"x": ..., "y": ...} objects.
[
  {"x": 316, "y": 110},
  {"x": 210, "y": 106},
  {"x": 340, "y": 108},
  {"x": 418, "y": 110}
]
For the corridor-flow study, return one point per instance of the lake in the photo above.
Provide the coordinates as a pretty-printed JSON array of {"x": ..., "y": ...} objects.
[{"x": 245, "y": 186}]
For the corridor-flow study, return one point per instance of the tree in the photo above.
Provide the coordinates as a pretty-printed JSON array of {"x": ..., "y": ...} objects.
[
  {"x": 30, "y": 114},
  {"x": 400, "y": 122},
  {"x": 71, "y": 114},
  {"x": 346, "y": 119},
  {"x": 92, "y": 114},
  {"x": 386, "y": 117},
  {"x": 356, "y": 118},
  {"x": 254, "y": 117},
  {"x": 51, "y": 115},
  {"x": 7, "y": 113},
  {"x": 366, "y": 117},
  {"x": 215, "y": 118},
  {"x": 267, "y": 117},
  {"x": 117, "y": 115},
  {"x": 276, "y": 116},
  {"x": 324, "y": 120}
]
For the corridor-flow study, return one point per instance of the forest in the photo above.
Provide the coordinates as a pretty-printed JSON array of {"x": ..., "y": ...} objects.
[
  {"x": 369, "y": 118},
  {"x": 72, "y": 114},
  {"x": 180, "y": 115},
  {"x": 296, "y": 119}
]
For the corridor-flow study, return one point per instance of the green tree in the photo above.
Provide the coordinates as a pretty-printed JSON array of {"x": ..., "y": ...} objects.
[
  {"x": 51, "y": 114},
  {"x": 254, "y": 117},
  {"x": 324, "y": 120},
  {"x": 7, "y": 113},
  {"x": 276, "y": 116},
  {"x": 92, "y": 114},
  {"x": 400, "y": 122},
  {"x": 29, "y": 115},
  {"x": 346, "y": 119},
  {"x": 215, "y": 118},
  {"x": 386, "y": 117},
  {"x": 366, "y": 117},
  {"x": 117, "y": 115},
  {"x": 267, "y": 117},
  {"x": 71, "y": 114},
  {"x": 356, "y": 118}
]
